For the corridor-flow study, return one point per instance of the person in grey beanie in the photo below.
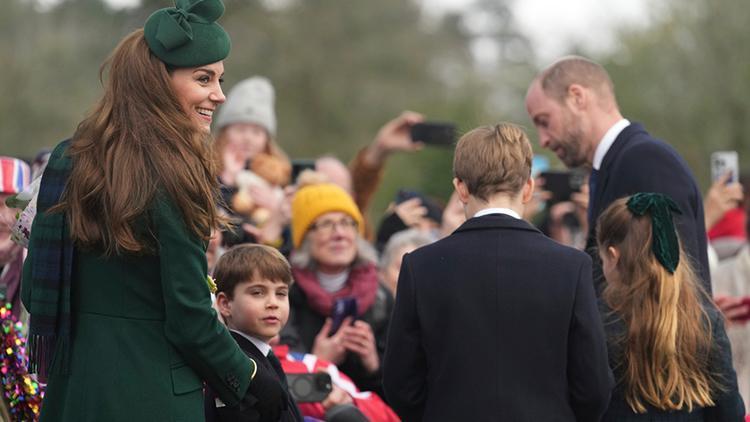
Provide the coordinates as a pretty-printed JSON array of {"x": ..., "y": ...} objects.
[{"x": 245, "y": 130}]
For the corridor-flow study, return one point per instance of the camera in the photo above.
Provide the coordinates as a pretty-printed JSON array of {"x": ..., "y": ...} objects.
[{"x": 309, "y": 388}]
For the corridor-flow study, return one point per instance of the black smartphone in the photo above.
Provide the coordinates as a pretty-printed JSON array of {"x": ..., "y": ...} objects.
[
  {"x": 405, "y": 195},
  {"x": 434, "y": 133},
  {"x": 309, "y": 388},
  {"x": 561, "y": 184},
  {"x": 342, "y": 308},
  {"x": 301, "y": 164}
]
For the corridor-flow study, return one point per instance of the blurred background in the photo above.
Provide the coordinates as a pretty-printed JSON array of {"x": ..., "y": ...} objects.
[{"x": 341, "y": 68}]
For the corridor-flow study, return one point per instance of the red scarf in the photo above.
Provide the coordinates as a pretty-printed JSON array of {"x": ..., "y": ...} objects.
[{"x": 362, "y": 284}]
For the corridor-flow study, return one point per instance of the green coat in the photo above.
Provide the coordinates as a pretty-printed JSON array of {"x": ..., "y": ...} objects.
[{"x": 144, "y": 335}]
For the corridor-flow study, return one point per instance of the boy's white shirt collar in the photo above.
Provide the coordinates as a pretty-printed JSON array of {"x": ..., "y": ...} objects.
[
  {"x": 607, "y": 140},
  {"x": 260, "y": 344},
  {"x": 506, "y": 211}
]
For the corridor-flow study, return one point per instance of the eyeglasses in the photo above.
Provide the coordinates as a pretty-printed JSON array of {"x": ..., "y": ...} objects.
[{"x": 328, "y": 226}]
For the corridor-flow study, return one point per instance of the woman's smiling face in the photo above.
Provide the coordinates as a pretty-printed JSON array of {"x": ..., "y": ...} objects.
[{"x": 198, "y": 90}]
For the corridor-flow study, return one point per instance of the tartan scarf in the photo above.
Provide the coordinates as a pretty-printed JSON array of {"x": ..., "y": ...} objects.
[{"x": 52, "y": 252}]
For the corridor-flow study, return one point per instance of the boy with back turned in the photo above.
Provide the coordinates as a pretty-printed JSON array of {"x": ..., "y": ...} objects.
[{"x": 496, "y": 321}]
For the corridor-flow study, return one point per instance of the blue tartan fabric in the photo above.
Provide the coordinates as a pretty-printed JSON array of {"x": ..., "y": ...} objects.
[{"x": 50, "y": 261}]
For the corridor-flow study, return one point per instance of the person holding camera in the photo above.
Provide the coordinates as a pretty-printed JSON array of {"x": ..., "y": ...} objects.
[
  {"x": 340, "y": 312},
  {"x": 573, "y": 107}
]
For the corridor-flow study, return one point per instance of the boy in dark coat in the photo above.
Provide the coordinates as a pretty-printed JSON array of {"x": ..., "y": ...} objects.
[
  {"x": 496, "y": 322},
  {"x": 253, "y": 297}
]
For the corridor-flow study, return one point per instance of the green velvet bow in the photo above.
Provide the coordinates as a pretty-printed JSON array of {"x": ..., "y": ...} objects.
[
  {"x": 665, "y": 245},
  {"x": 175, "y": 26}
]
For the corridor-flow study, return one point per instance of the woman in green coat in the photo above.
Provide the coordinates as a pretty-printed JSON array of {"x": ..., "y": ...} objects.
[{"x": 115, "y": 280}]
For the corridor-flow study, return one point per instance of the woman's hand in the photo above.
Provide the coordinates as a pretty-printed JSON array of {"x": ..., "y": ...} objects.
[
  {"x": 331, "y": 348},
  {"x": 359, "y": 339},
  {"x": 336, "y": 397}
]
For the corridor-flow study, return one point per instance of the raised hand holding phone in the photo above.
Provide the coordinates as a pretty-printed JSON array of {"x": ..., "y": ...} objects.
[
  {"x": 434, "y": 133},
  {"x": 723, "y": 162}
]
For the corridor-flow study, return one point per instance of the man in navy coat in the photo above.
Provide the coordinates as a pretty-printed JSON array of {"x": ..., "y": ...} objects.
[
  {"x": 496, "y": 322},
  {"x": 573, "y": 106}
]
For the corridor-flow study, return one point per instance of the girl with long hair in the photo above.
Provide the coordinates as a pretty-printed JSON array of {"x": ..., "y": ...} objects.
[
  {"x": 115, "y": 282},
  {"x": 667, "y": 345}
]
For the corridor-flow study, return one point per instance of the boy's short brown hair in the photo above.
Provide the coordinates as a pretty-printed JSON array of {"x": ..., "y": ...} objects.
[
  {"x": 248, "y": 262},
  {"x": 493, "y": 159}
]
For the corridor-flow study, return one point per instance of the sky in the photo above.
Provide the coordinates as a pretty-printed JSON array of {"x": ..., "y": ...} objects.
[{"x": 552, "y": 25}]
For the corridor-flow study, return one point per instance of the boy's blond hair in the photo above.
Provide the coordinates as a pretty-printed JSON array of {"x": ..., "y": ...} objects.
[
  {"x": 493, "y": 159},
  {"x": 249, "y": 262}
]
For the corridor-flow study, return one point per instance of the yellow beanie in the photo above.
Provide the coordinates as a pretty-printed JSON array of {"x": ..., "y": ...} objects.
[{"x": 312, "y": 201}]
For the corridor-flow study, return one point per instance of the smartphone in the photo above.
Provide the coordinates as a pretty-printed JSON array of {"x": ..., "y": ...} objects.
[
  {"x": 309, "y": 388},
  {"x": 301, "y": 164},
  {"x": 562, "y": 184},
  {"x": 342, "y": 308},
  {"x": 405, "y": 195},
  {"x": 434, "y": 133},
  {"x": 723, "y": 162}
]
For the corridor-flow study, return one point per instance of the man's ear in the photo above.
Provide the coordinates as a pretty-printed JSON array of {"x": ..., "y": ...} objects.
[
  {"x": 461, "y": 189},
  {"x": 578, "y": 97},
  {"x": 527, "y": 191},
  {"x": 224, "y": 304}
]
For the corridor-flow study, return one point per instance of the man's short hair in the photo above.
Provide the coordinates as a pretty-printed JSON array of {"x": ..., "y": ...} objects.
[
  {"x": 493, "y": 159},
  {"x": 250, "y": 262},
  {"x": 559, "y": 76}
]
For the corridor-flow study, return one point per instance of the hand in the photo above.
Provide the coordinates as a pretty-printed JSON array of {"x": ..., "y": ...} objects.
[
  {"x": 266, "y": 196},
  {"x": 331, "y": 348},
  {"x": 359, "y": 339},
  {"x": 234, "y": 160},
  {"x": 336, "y": 397},
  {"x": 453, "y": 215},
  {"x": 265, "y": 395},
  {"x": 720, "y": 198},
  {"x": 411, "y": 211},
  {"x": 395, "y": 135},
  {"x": 730, "y": 307}
]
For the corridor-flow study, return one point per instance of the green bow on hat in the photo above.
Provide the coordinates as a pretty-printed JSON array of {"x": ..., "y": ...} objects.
[
  {"x": 665, "y": 245},
  {"x": 187, "y": 35}
]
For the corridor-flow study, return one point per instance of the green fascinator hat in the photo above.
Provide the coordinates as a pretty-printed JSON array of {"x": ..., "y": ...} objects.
[{"x": 187, "y": 34}]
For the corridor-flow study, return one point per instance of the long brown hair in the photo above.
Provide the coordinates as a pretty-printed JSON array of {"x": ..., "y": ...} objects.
[
  {"x": 136, "y": 143},
  {"x": 668, "y": 336}
]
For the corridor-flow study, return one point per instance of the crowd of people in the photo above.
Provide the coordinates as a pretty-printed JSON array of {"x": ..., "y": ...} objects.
[{"x": 170, "y": 261}]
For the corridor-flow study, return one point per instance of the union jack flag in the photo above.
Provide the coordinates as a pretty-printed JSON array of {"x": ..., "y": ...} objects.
[{"x": 15, "y": 175}]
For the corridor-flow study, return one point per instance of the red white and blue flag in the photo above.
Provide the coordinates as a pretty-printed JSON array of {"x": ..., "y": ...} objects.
[{"x": 15, "y": 175}]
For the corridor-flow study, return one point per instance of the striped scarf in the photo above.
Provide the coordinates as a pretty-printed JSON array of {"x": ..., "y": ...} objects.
[{"x": 51, "y": 251}]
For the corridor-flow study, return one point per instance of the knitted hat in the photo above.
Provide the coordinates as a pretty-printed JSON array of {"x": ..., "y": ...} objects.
[
  {"x": 250, "y": 101},
  {"x": 312, "y": 201},
  {"x": 15, "y": 175},
  {"x": 187, "y": 35}
]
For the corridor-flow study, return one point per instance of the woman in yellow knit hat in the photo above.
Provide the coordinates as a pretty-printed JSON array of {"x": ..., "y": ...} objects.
[{"x": 335, "y": 268}]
